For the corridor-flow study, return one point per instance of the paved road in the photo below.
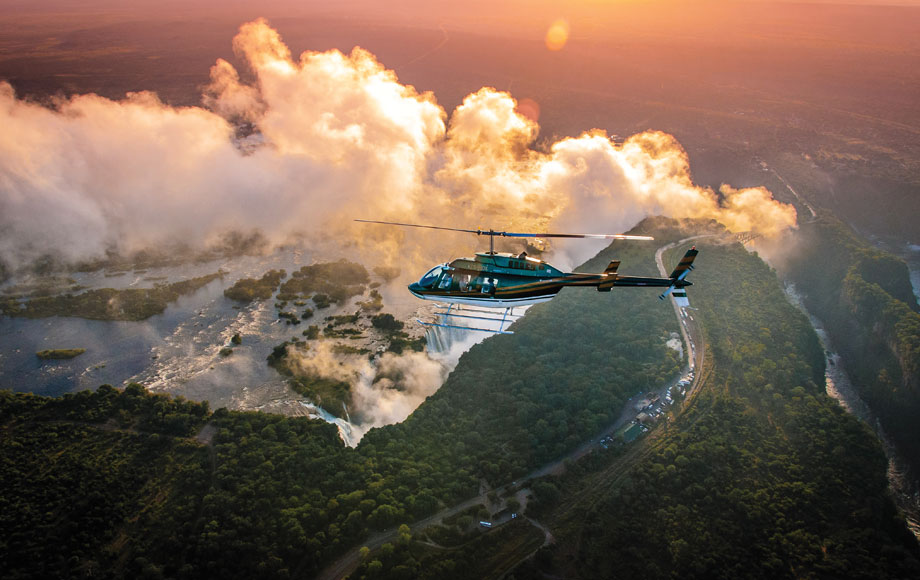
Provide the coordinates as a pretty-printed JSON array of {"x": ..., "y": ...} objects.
[
  {"x": 687, "y": 325},
  {"x": 348, "y": 563}
]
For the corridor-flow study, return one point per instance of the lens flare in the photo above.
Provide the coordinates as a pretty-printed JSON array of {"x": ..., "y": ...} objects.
[
  {"x": 558, "y": 35},
  {"x": 529, "y": 109}
]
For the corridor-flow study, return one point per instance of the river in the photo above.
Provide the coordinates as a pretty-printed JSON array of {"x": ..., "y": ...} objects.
[
  {"x": 905, "y": 489},
  {"x": 179, "y": 351}
]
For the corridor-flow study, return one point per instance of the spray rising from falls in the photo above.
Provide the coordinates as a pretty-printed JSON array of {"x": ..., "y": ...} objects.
[
  {"x": 382, "y": 392},
  {"x": 334, "y": 136}
]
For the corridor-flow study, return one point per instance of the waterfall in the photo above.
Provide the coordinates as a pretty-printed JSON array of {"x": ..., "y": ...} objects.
[
  {"x": 350, "y": 435},
  {"x": 452, "y": 334},
  {"x": 441, "y": 340}
]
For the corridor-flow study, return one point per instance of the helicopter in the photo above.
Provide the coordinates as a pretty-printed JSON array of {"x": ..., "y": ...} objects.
[{"x": 501, "y": 280}]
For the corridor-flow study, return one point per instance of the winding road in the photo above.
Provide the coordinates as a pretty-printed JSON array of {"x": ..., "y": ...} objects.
[{"x": 683, "y": 322}]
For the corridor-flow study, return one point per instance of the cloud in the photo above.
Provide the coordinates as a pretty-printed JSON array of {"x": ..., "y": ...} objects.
[
  {"x": 383, "y": 392},
  {"x": 231, "y": 99},
  {"x": 400, "y": 385},
  {"x": 649, "y": 174},
  {"x": 310, "y": 144},
  {"x": 94, "y": 173},
  {"x": 345, "y": 113}
]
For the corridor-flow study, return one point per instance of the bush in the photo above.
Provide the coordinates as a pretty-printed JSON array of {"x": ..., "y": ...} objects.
[{"x": 386, "y": 322}]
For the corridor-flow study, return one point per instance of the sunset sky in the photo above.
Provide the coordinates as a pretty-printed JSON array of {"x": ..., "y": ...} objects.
[{"x": 473, "y": 106}]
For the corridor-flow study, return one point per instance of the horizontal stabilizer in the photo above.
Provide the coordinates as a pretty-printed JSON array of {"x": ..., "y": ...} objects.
[{"x": 680, "y": 298}]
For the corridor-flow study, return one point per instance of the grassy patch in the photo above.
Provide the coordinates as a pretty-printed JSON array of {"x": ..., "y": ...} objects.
[
  {"x": 333, "y": 282},
  {"x": 60, "y": 353},
  {"x": 249, "y": 289},
  {"x": 332, "y": 394}
]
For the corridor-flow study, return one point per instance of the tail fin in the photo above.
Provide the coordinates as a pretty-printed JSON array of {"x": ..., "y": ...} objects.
[
  {"x": 686, "y": 264},
  {"x": 677, "y": 279},
  {"x": 611, "y": 273}
]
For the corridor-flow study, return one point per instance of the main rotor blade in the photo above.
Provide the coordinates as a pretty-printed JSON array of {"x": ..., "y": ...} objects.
[
  {"x": 515, "y": 234},
  {"x": 478, "y": 232},
  {"x": 593, "y": 236}
]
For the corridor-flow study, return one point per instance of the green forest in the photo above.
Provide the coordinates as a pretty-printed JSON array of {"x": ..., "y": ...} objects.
[
  {"x": 764, "y": 476},
  {"x": 762, "y": 470}
]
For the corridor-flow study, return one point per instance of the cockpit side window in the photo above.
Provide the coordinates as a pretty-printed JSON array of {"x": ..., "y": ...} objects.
[{"x": 431, "y": 277}]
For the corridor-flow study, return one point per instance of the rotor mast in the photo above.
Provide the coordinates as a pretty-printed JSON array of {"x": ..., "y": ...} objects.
[{"x": 491, "y": 242}]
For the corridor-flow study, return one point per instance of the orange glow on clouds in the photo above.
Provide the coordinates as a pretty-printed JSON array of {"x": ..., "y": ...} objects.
[
  {"x": 557, "y": 35},
  {"x": 334, "y": 136}
]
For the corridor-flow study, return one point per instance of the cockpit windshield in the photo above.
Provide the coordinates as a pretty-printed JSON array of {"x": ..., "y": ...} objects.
[{"x": 431, "y": 277}]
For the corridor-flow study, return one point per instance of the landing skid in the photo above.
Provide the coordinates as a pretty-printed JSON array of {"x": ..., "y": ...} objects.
[{"x": 450, "y": 311}]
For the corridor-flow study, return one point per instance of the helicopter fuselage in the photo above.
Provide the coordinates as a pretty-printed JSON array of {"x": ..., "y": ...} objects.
[{"x": 502, "y": 280}]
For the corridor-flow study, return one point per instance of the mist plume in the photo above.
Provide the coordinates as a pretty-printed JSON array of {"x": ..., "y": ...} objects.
[
  {"x": 332, "y": 136},
  {"x": 383, "y": 392}
]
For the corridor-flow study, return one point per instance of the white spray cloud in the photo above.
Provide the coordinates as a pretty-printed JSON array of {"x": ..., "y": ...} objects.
[
  {"x": 400, "y": 385},
  {"x": 383, "y": 392},
  {"x": 345, "y": 113},
  {"x": 336, "y": 136}
]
